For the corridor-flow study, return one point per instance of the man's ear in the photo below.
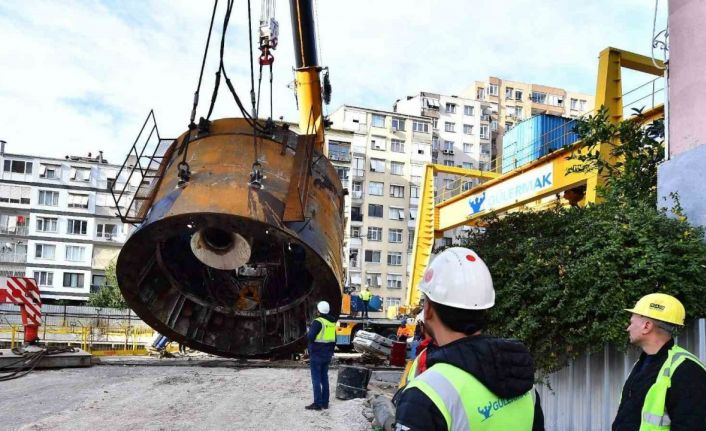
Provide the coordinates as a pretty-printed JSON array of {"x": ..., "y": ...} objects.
[{"x": 428, "y": 311}]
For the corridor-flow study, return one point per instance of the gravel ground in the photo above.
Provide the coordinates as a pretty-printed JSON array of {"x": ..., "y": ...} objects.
[{"x": 172, "y": 398}]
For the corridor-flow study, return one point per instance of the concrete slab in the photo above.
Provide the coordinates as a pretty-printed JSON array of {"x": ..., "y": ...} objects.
[{"x": 79, "y": 358}]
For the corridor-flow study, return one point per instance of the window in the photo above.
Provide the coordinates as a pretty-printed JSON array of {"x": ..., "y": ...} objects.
[
  {"x": 448, "y": 242},
  {"x": 410, "y": 239},
  {"x": 396, "y": 168},
  {"x": 73, "y": 279},
  {"x": 518, "y": 95},
  {"x": 450, "y": 108},
  {"x": 48, "y": 198},
  {"x": 378, "y": 120},
  {"x": 374, "y": 210},
  {"x": 76, "y": 227},
  {"x": 467, "y": 165},
  {"x": 338, "y": 150},
  {"x": 468, "y": 129},
  {"x": 358, "y": 166},
  {"x": 421, "y": 148},
  {"x": 49, "y": 172},
  {"x": 378, "y": 143},
  {"x": 373, "y": 279},
  {"x": 448, "y": 184},
  {"x": 468, "y": 110},
  {"x": 574, "y": 104},
  {"x": 508, "y": 125},
  {"x": 396, "y": 191},
  {"x": 396, "y": 213},
  {"x": 377, "y": 165},
  {"x": 413, "y": 191},
  {"x": 394, "y": 258},
  {"x": 44, "y": 278},
  {"x": 392, "y": 302},
  {"x": 413, "y": 213},
  {"x": 355, "y": 231},
  {"x": 494, "y": 125},
  {"x": 415, "y": 179},
  {"x": 18, "y": 166},
  {"x": 509, "y": 92},
  {"x": 375, "y": 188},
  {"x": 46, "y": 224},
  {"x": 357, "y": 190},
  {"x": 435, "y": 123},
  {"x": 80, "y": 174},
  {"x": 45, "y": 251},
  {"x": 374, "y": 233},
  {"x": 493, "y": 90},
  {"x": 538, "y": 97},
  {"x": 518, "y": 112},
  {"x": 467, "y": 147},
  {"x": 420, "y": 126},
  {"x": 74, "y": 253},
  {"x": 394, "y": 235},
  {"x": 15, "y": 194},
  {"x": 99, "y": 280},
  {"x": 372, "y": 256},
  {"x": 356, "y": 215},
  {"x": 106, "y": 231},
  {"x": 398, "y": 124},
  {"x": 448, "y": 162},
  {"x": 480, "y": 93},
  {"x": 449, "y": 127},
  {"x": 396, "y": 146},
  {"x": 467, "y": 185},
  {"x": 78, "y": 201},
  {"x": 582, "y": 105},
  {"x": 394, "y": 281},
  {"x": 449, "y": 146},
  {"x": 342, "y": 173},
  {"x": 484, "y": 132}
]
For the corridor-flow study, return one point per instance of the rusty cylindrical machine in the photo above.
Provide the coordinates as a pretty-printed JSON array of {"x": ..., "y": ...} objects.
[{"x": 233, "y": 261}]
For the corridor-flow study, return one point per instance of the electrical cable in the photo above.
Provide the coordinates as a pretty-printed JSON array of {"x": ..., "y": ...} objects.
[{"x": 654, "y": 42}]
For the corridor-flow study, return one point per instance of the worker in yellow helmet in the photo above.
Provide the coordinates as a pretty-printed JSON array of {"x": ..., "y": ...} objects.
[
  {"x": 666, "y": 389},
  {"x": 365, "y": 296},
  {"x": 472, "y": 381}
]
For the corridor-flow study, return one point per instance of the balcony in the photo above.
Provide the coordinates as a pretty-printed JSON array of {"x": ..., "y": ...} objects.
[
  {"x": 340, "y": 156},
  {"x": 13, "y": 257},
  {"x": 358, "y": 174},
  {"x": 14, "y": 230},
  {"x": 357, "y": 195},
  {"x": 356, "y": 217}
]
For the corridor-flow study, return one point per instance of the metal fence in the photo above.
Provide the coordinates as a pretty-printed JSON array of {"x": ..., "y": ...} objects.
[{"x": 585, "y": 395}]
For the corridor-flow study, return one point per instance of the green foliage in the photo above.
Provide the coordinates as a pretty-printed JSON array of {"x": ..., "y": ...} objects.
[
  {"x": 108, "y": 295},
  {"x": 563, "y": 276}
]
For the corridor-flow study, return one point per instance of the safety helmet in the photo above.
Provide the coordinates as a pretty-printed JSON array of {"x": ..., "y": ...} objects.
[
  {"x": 660, "y": 306},
  {"x": 459, "y": 278},
  {"x": 323, "y": 307}
]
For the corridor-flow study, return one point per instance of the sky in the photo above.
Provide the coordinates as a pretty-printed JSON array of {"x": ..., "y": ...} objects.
[{"x": 81, "y": 76}]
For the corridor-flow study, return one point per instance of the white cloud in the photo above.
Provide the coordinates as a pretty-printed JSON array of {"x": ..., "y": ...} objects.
[{"x": 81, "y": 76}]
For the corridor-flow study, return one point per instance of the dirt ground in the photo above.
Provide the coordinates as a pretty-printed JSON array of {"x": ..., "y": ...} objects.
[{"x": 172, "y": 398}]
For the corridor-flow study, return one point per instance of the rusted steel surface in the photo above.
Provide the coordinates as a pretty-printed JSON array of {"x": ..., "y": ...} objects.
[{"x": 259, "y": 309}]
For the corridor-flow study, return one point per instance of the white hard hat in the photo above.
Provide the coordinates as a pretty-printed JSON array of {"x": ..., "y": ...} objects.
[
  {"x": 323, "y": 307},
  {"x": 459, "y": 278}
]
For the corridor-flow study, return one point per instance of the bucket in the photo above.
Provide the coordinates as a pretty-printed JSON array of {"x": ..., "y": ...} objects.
[
  {"x": 398, "y": 354},
  {"x": 352, "y": 382}
]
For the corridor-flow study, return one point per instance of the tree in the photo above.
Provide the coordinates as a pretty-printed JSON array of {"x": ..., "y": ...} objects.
[
  {"x": 108, "y": 295},
  {"x": 563, "y": 276}
]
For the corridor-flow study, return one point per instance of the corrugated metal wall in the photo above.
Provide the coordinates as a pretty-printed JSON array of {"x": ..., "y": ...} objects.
[{"x": 585, "y": 395}]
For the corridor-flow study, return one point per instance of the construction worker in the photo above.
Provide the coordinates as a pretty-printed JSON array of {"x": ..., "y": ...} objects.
[
  {"x": 472, "y": 381},
  {"x": 322, "y": 341},
  {"x": 419, "y": 365},
  {"x": 666, "y": 389},
  {"x": 365, "y": 296}
]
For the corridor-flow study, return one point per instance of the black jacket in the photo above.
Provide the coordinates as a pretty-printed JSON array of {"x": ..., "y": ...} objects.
[
  {"x": 505, "y": 367},
  {"x": 686, "y": 399},
  {"x": 321, "y": 352}
]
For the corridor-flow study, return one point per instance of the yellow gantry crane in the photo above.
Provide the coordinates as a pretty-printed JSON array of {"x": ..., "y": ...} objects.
[{"x": 528, "y": 184}]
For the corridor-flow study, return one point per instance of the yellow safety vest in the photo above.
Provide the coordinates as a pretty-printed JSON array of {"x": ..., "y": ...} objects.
[
  {"x": 327, "y": 334},
  {"x": 467, "y": 404},
  {"x": 365, "y": 295},
  {"x": 654, "y": 416}
]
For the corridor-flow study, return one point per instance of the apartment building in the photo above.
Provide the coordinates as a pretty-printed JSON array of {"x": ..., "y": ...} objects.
[
  {"x": 388, "y": 151},
  {"x": 516, "y": 101},
  {"x": 58, "y": 222}
]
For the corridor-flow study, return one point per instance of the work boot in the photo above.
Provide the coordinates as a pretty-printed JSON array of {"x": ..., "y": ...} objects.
[
  {"x": 313, "y": 406},
  {"x": 325, "y": 407}
]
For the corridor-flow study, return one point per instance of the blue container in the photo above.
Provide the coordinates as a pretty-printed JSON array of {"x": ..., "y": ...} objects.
[
  {"x": 375, "y": 303},
  {"x": 536, "y": 137}
]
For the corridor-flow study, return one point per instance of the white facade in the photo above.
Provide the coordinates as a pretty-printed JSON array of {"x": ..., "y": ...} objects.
[
  {"x": 388, "y": 154},
  {"x": 58, "y": 222}
]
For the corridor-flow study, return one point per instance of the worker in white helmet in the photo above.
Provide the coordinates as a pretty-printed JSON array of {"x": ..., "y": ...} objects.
[
  {"x": 322, "y": 342},
  {"x": 472, "y": 381}
]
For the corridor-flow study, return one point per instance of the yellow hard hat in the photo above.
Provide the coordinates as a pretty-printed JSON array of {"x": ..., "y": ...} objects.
[{"x": 660, "y": 306}]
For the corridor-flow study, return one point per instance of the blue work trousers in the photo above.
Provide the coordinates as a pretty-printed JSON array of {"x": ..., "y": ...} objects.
[{"x": 319, "y": 379}]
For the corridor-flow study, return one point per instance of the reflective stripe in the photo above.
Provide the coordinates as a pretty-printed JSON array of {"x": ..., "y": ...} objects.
[
  {"x": 450, "y": 397},
  {"x": 327, "y": 334},
  {"x": 656, "y": 420}
]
